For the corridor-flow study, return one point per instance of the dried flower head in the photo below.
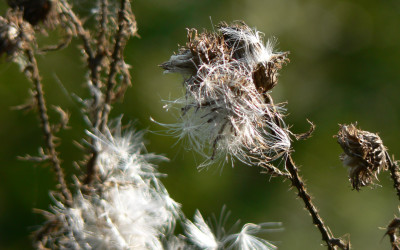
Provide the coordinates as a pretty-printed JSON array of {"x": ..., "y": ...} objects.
[
  {"x": 34, "y": 11},
  {"x": 15, "y": 34},
  {"x": 364, "y": 154},
  {"x": 227, "y": 110}
]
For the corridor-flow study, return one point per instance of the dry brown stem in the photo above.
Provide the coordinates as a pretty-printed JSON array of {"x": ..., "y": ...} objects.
[
  {"x": 327, "y": 236},
  {"x": 394, "y": 173},
  {"x": 46, "y": 128}
]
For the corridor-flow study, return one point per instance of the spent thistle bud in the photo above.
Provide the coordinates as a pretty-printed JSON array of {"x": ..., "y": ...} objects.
[
  {"x": 15, "y": 34},
  {"x": 227, "y": 110},
  {"x": 34, "y": 11},
  {"x": 364, "y": 155}
]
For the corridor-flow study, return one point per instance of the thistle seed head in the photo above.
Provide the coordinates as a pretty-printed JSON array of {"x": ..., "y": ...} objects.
[
  {"x": 227, "y": 110},
  {"x": 364, "y": 155}
]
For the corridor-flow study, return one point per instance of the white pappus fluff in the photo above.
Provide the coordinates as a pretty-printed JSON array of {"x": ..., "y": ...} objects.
[
  {"x": 225, "y": 113},
  {"x": 130, "y": 208},
  {"x": 202, "y": 235}
]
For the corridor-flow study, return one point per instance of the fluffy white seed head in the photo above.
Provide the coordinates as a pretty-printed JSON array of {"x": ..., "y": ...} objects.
[
  {"x": 227, "y": 111},
  {"x": 129, "y": 209}
]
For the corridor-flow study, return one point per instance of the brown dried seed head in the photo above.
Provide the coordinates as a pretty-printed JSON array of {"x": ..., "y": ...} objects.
[
  {"x": 364, "y": 154},
  {"x": 15, "y": 34},
  {"x": 34, "y": 11},
  {"x": 265, "y": 76}
]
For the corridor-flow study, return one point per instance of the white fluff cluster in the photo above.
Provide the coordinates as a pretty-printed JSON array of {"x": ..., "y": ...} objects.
[
  {"x": 227, "y": 111},
  {"x": 202, "y": 236},
  {"x": 130, "y": 208}
]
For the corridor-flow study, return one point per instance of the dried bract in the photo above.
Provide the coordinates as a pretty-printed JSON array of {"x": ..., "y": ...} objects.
[
  {"x": 227, "y": 110},
  {"x": 34, "y": 11},
  {"x": 364, "y": 154},
  {"x": 15, "y": 34}
]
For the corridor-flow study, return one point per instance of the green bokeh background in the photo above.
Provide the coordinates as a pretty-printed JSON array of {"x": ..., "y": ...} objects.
[{"x": 344, "y": 68}]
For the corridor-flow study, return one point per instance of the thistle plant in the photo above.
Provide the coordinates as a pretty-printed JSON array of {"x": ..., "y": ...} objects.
[
  {"x": 228, "y": 109},
  {"x": 117, "y": 201}
]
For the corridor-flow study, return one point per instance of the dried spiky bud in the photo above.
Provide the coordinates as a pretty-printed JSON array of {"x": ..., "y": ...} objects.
[
  {"x": 15, "y": 34},
  {"x": 227, "y": 108},
  {"x": 34, "y": 11},
  {"x": 364, "y": 154}
]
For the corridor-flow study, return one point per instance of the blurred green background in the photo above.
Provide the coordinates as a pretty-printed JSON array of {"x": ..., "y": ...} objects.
[{"x": 344, "y": 68}]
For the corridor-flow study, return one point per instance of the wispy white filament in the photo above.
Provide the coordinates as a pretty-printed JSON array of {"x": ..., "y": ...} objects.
[
  {"x": 129, "y": 209},
  {"x": 202, "y": 236},
  {"x": 223, "y": 115}
]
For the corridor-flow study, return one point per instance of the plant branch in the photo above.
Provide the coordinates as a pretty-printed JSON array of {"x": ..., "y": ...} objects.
[
  {"x": 297, "y": 182},
  {"x": 46, "y": 128},
  {"x": 101, "y": 40},
  {"x": 394, "y": 173},
  {"x": 116, "y": 58},
  {"x": 103, "y": 111},
  {"x": 274, "y": 171},
  {"x": 94, "y": 59},
  {"x": 82, "y": 33}
]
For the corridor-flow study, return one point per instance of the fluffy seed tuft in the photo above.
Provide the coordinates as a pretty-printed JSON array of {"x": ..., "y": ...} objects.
[{"x": 227, "y": 111}]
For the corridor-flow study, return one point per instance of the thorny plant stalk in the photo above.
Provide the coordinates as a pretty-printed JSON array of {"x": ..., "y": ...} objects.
[
  {"x": 394, "y": 173},
  {"x": 46, "y": 127},
  {"x": 117, "y": 58},
  {"x": 327, "y": 235},
  {"x": 100, "y": 107}
]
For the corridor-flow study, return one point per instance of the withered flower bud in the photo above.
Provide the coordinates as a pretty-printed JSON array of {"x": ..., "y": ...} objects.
[
  {"x": 34, "y": 11},
  {"x": 14, "y": 33},
  {"x": 364, "y": 154}
]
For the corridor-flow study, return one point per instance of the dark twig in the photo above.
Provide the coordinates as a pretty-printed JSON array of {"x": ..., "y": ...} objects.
[
  {"x": 46, "y": 128},
  {"x": 82, "y": 33},
  {"x": 274, "y": 171},
  {"x": 94, "y": 60},
  {"x": 394, "y": 173},
  {"x": 117, "y": 57},
  {"x": 103, "y": 111},
  {"x": 101, "y": 40},
  {"x": 327, "y": 236},
  {"x": 63, "y": 44}
]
